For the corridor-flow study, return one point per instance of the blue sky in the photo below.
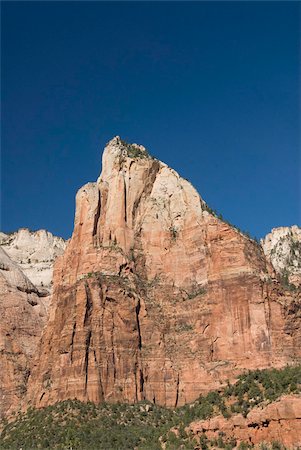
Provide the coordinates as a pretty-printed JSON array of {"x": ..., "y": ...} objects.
[{"x": 210, "y": 88}]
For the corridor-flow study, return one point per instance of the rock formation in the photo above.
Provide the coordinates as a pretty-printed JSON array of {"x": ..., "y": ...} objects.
[
  {"x": 279, "y": 421},
  {"x": 34, "y": 252},
  {"x": 23, "y": 315},
  {"x": 282, "y": 248},
  {"x": 155, "y": 297}
]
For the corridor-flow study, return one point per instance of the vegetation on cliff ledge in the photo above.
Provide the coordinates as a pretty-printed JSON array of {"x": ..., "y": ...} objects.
[
  {"x": 135, "y": 151},
  {"x": 75, "y": 425}
]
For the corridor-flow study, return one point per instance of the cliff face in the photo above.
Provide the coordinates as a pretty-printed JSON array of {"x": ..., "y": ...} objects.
[
  {"x": 282, "y": 248},
  {"x": 155, "y": 298},
  {"x": 35, "y": 253},
  {"x": 23, "y": 315}
]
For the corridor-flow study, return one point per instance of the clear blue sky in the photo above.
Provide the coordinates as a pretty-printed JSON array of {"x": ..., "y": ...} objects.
[{"x": 210, "y": 88}]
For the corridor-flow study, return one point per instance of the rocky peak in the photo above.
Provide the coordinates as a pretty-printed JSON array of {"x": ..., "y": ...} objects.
[
  {"x": 154, "y": 297},
  {"x": 117, "y": 151},
  {"x": 138, "y": 199}
]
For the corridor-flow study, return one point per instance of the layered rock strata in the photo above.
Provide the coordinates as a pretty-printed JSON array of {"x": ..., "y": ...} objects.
[
  {"x": 156, "y": 298},
  {"x": 23, "y": 315}
]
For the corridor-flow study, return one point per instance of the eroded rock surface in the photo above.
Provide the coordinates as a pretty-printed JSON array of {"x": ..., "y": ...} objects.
[
  {"x": 279, "y": 421},
  {"x": 156, "y": 298},
  {"x": 35, "y": 253},
  {"x": 23, "y": 314},
  {"x": 282, "y": 248}
]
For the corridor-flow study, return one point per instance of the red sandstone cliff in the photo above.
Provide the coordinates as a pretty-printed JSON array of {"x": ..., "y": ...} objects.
[{"x": 155, "y": 298}]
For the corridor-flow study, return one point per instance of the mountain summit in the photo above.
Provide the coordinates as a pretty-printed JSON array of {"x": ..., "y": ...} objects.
[{"x": 155, "y": 297}]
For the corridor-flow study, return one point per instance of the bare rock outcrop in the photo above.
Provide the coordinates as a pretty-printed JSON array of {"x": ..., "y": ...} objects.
[
  {"x": 23, "y": 314},
  {"x": 155, "y": 297},
  {"x": 282, "y": 248},
  {"x": 279, "y": 421},
  {"x": 35, "y": 253}
]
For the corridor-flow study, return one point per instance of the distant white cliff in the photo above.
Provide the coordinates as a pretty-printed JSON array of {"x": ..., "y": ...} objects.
[
  {"x": 282, "y": 248},
  {"x": 35, "y": 253}
]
